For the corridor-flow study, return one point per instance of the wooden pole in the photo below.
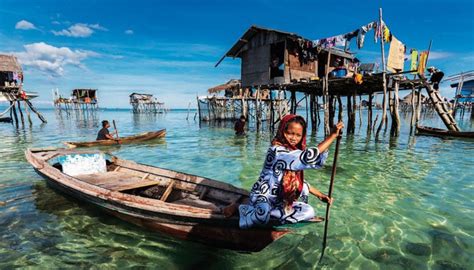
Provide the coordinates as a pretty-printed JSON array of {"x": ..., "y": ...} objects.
[
  {"x": 21, "y": 113},
  {"x": 418, "y": 107},
  {"x": 15, "y": 115},
  {"x": 412, "y": 121},
  {"x": 395, "y": 127},
  {"x": 340, "y": 110},
  {"x": 331, "y": 186},
  {"x": 354, "y": 108},
  {"x": 332, "y": 111},
  {"x": 369, "y": 113},
  {"x": 28, "y": 113},
  {"x": 384, "y": 79},
  {"x": 325, "y": 96}
]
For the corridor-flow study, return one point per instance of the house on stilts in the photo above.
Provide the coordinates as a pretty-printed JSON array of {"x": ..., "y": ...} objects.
[
  {"x": 146, "y": 103},
  {"x": 13, "y": 93},
  {"x": 81, "y": 99},
  {"x": 325, "y": 73}
]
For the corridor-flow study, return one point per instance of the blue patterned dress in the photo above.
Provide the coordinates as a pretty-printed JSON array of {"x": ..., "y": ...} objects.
[{"x": 265, "y": 197}]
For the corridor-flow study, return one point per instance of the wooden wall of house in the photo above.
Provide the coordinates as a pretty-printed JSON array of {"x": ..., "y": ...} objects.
[
  {"x": 294, "y": 69},
  {"x": 255, "y": 69},
  {"x": 256, "y": 66}
]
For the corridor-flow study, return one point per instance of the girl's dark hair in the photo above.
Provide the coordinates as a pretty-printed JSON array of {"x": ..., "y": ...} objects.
[{"x": 298, "y": 119}]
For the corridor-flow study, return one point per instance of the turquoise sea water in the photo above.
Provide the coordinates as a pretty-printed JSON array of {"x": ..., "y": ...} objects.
[{"x": 404, "y": 203}]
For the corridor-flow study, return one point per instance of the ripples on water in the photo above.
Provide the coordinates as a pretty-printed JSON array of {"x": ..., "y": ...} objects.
[{"x": 400, "y": 204}]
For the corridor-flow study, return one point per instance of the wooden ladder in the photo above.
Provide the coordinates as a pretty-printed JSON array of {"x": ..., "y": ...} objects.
[{"x": 440, "y": 106}]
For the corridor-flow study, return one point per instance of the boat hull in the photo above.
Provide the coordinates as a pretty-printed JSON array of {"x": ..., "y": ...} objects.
[
  {"x": 429, "y": 131},
  {"x": 125, "y": 140},
  {"x": 215, "y": 232}
]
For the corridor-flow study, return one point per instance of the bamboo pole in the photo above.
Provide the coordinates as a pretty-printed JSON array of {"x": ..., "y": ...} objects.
[{"x": 384, "y": 79}]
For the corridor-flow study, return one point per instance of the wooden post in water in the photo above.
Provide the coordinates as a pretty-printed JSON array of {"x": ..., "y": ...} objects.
[
  {"x": 332, "y": 111},
  {"x": 326, "y": 96},
  {"x": 369, "y": 113},
  {"x": 341, "y": 109},
  {"x": 354, "y": 108},
  {"x": 349, "y": 114},
  {"x": 21, "y": 113},
  {"x": 27, "y": 113},
  {"x": 313, "y": 111},
  {"x": 384, "y": 79},
  {"x": 418, "y": 107},
  {"x": 412, "y": 121},
  {"x": 15, "y": 115},
  {"x": 395, "y": 127}
]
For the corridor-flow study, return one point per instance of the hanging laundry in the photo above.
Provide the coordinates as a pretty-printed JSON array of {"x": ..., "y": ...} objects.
[
  {"x": 361, "y": 34},
  {"x": 387, "y": 35},
  {"x": 396, "y": 56},
  {"x": 422, "y": 62},
  {"x": 414, "y": 60},
  {"x": 358, "y": 78},
  {"x": 377, "y": 32}
]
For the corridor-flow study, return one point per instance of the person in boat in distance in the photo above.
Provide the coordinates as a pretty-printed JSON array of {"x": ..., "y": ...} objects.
[
  {"x": 281, "y": 191},
  {"x": 239, "y": 126},
  {"x": 104, "y": 132}
]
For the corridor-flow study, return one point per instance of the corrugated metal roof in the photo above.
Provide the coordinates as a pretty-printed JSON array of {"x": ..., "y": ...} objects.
[{"x": 9, "y": 63}]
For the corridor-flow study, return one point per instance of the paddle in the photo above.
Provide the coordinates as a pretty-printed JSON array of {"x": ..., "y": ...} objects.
[
  {"x": 116, "y": 132},
  {"x": 331, "y": 184}
]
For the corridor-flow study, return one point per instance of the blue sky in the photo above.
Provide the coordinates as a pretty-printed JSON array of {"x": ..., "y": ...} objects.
[{"x": 170, "y": 48}]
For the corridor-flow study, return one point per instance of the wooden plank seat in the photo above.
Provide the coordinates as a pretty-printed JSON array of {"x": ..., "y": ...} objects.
[{"x": 116, "y": 181}]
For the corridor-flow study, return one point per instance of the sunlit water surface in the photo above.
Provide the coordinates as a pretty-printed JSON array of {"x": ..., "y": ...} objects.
[{"x": 404, "y": 203}]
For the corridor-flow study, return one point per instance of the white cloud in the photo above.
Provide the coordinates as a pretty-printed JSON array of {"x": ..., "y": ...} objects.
[
  {"x": 50, "y": 59},
  {"x": 24, "y": 25},
  {"x": 56, "y": 22},
  {"x": 129, "y": 32},
  {"x": 439, "y": 55},
  {"x": 79, "y": 30}
]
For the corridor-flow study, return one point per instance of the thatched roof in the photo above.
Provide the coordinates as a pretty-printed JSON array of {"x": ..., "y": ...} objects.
[
  {"x": 9, "y": 63},
  {"x": 232, "y": 84}
]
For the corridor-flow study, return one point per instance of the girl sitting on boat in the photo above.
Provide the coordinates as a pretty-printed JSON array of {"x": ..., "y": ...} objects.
[{"x": 281, "y": 191}]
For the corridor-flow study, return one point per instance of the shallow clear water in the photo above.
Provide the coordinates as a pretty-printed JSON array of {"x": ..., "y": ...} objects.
[{"x": 404, "y": 203}]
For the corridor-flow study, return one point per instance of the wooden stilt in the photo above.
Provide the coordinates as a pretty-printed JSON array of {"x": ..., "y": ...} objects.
[
  {"x": 21, "y": 112},
  {"x": 395, "y": 130},
  {"x": 369, "y": 113},
  {"x": 332, "y": 111},
  {"x": 349, "y": 114},
  {"x": 312, "y": 103},
  {"x": 340, "y": 110},
  {"x": 35, "y": 111},
  {"x": 15, "y": 115},
  {"x": 27, "y": 113},
  {"x": 384, "y": 79}
]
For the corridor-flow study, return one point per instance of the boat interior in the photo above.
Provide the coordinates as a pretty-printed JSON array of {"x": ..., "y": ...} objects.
[{"x": 159, "y": 184}]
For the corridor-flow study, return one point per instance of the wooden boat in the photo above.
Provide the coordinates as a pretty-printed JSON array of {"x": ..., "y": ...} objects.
[
  {"x": 430, "y": 131},
  {"x": 123, "y": 140},
  {"x": 5, "y": 120},
  {"x": 182, "y": 205}
]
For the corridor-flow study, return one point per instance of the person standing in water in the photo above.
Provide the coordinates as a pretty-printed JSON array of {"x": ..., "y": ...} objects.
[
  {"x": 281, "y": 191},
  {"x": 239, "y": 126},
  {"x": 104, "y": 133}
]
